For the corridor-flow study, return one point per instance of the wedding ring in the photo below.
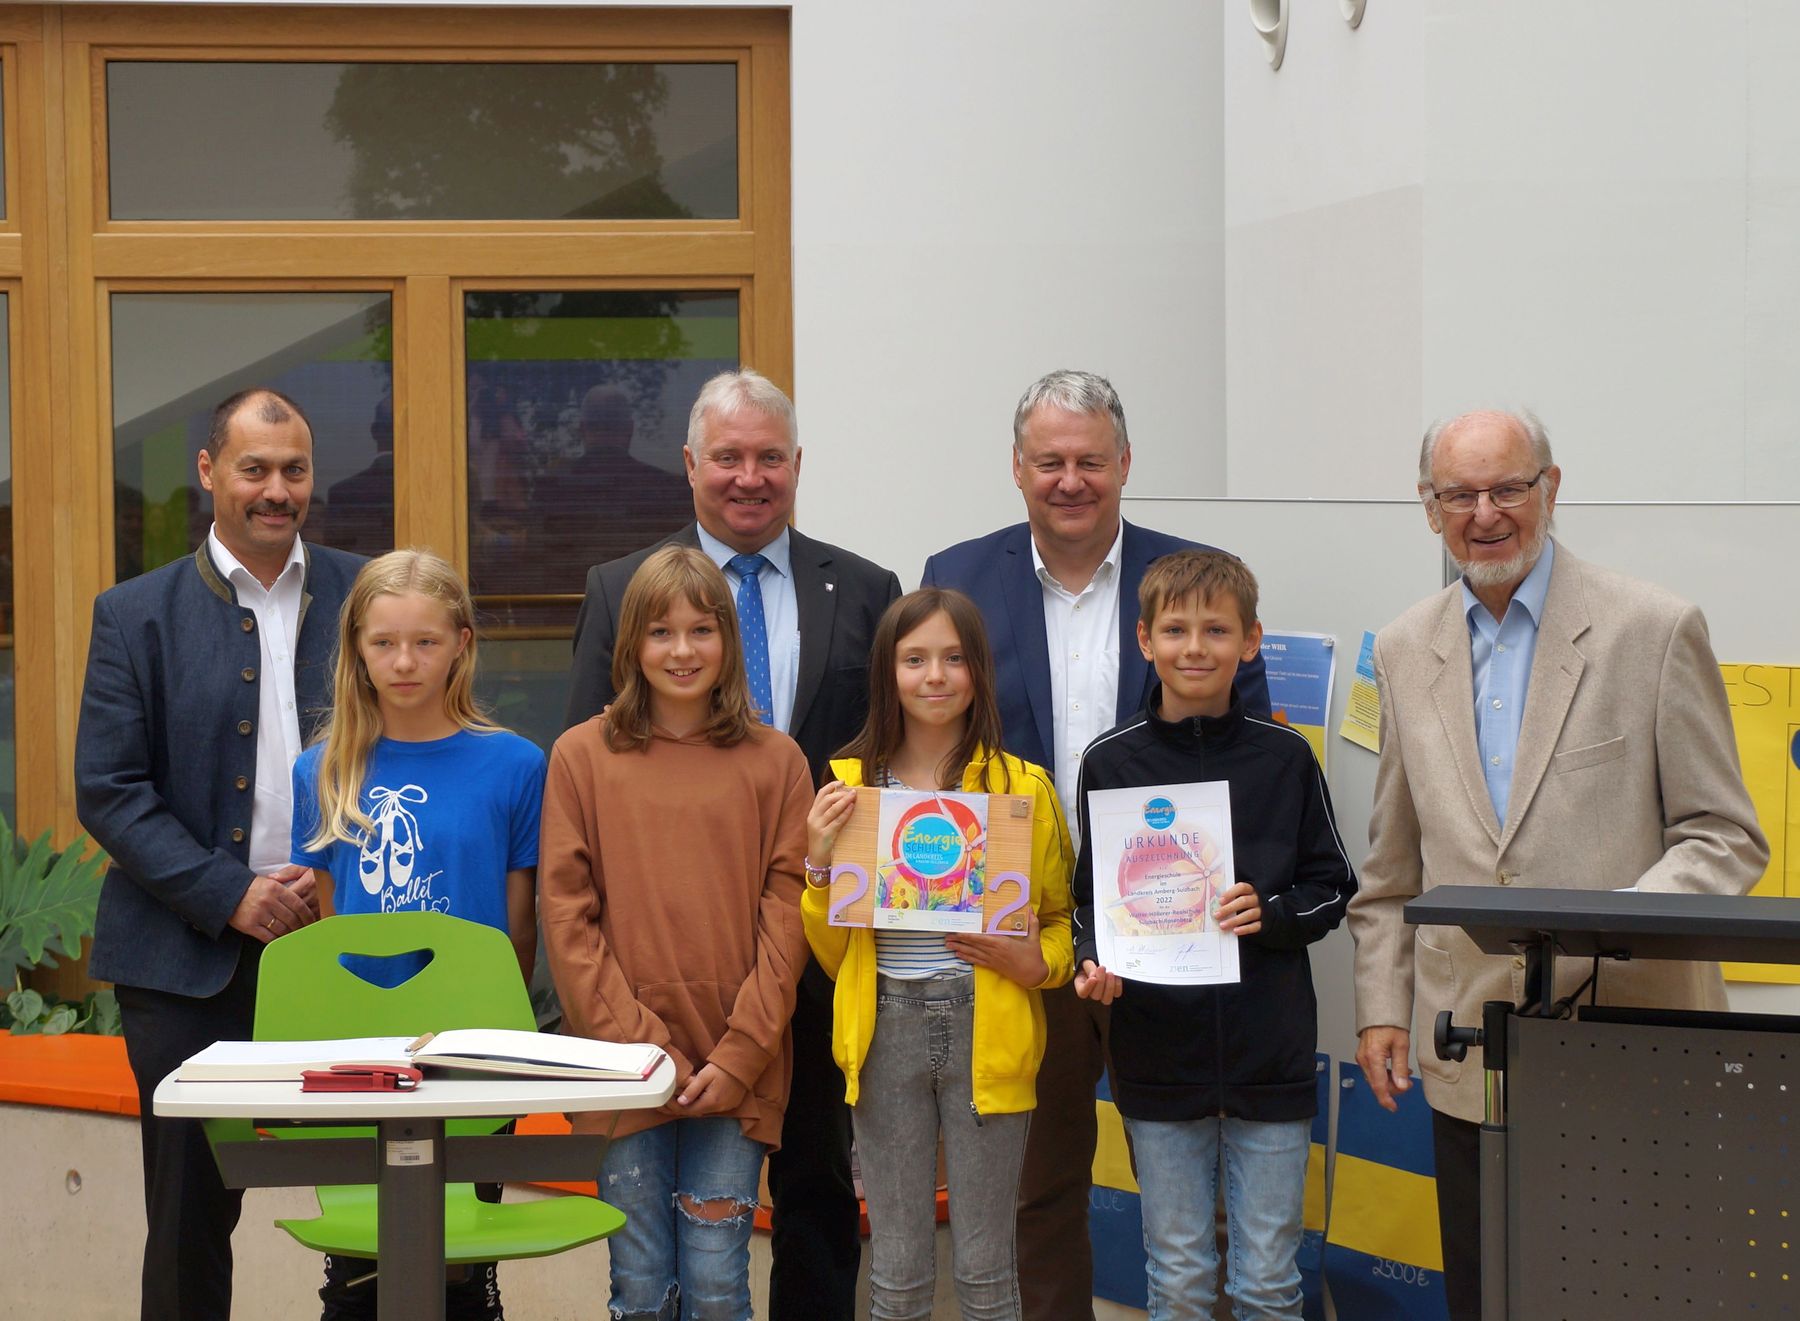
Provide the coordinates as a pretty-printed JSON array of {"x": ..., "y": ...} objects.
[{"x": 270, "y": 924}]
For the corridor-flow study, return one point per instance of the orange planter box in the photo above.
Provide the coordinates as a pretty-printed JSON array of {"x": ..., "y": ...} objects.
[{"x": 76, "y": 1072}]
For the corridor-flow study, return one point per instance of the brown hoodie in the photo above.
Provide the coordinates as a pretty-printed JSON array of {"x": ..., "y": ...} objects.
[{"x": 669, "y": 886}]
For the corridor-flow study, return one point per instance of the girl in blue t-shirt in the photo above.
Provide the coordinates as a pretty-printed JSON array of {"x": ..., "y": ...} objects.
[{"x": 413, "y": 799}]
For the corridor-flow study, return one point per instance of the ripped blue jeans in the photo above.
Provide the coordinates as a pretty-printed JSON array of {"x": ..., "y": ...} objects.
[{"x": 688, "y": 1190}]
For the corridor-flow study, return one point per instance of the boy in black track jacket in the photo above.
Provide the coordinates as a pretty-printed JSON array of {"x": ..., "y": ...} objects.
[{"x": 1219, "y": 1076}]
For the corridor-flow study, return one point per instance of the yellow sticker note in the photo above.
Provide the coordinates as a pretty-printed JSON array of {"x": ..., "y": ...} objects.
[{"x": 1362, "y": 712}]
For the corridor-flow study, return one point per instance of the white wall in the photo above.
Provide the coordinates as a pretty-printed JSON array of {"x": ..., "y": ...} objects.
[
  {"x": 1324, "y": 213},
  {"x": 1585, "y": 230},
  {"x": 1592, "y": 208},
  {"x": 983, "y": 193}
]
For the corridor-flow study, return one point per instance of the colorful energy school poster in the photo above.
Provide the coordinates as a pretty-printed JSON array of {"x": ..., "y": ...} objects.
[
  {"x": 1765, "y": 714},
  {"x": 1300, "y": 670},
  {"x": 1162, "y": 856},
  {"x": 931, "y": 869}
]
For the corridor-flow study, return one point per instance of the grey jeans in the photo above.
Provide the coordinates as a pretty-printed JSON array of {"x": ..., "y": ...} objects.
[{"x": 915, "y": 1083}]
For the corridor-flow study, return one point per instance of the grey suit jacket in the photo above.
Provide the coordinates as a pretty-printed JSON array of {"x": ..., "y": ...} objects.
[{"x": 1626, "y": 774}]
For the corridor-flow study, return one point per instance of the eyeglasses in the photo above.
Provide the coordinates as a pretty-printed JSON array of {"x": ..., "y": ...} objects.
[{"x": 1507, "y": 495}]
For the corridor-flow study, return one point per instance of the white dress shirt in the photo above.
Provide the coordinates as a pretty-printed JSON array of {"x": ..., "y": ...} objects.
[
  {"x": 1082, "y": 630},
  {"x": 277, "y": 611},
  {"x": 781, "y": 616}
]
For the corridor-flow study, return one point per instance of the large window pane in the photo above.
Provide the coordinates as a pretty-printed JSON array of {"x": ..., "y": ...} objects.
[
  {"x": 8, "y": 739},
  {"x": 577, "y": 415},
  {"x": 175, "y": 356},
  {"x": 525, "y": 683},
  {"x": 318, "y": 141}
]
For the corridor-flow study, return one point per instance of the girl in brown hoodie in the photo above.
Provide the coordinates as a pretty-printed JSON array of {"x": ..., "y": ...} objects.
[{"x": 674, "y": 829}]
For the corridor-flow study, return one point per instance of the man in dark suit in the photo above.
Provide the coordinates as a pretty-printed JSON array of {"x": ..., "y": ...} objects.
[
  {"x": 1059, "y": 595},
  {"x": 201, "y": 676},
  {"x": 813, "y": 609}
]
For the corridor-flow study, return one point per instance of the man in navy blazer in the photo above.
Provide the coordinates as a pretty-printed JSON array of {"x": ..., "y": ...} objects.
[
  {"x": 201, "y": 677},
  {"x": 999, "y": 573},
  {"x": 1059, "y": 595}
]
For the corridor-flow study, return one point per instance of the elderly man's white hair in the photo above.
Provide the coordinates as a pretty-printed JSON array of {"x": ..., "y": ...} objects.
[{"x": 1523, "y": 418}]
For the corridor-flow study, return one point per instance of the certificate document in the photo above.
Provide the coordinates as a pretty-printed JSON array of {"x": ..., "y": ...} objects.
[{"x": 1162, "y": 856}]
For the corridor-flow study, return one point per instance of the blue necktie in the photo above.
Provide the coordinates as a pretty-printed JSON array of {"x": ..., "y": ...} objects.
[{"x": 756, "y": 633}]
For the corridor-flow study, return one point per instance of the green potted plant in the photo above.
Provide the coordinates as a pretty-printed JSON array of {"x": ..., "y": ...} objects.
[{"x": 48, "y": 899}]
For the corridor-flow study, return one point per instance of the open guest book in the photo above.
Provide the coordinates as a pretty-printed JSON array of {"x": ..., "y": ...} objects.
[{"x": 472, "y": 1050}]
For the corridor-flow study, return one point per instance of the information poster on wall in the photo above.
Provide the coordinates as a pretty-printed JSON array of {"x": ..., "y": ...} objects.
[
  {"x": 1362, "y": 717},
  {"x": 1765, "y": 713},
  {"x": 1300, "y": 671}
]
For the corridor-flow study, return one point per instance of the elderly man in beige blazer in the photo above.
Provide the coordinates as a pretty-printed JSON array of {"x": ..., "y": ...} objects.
[{"x": 1544, "y": 722}]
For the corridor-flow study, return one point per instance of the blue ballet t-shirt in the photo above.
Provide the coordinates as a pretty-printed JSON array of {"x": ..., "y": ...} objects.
[{"x": 452, "y": 816}]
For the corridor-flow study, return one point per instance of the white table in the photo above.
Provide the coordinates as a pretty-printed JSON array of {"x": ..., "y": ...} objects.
[{"x": 409, "y": 1158}]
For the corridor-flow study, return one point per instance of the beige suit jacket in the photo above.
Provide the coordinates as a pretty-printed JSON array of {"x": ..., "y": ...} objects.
[{"x": 1626, "y": 774}]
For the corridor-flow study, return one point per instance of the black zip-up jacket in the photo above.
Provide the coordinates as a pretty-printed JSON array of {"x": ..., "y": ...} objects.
[{"x": 1243, "y": 1050}]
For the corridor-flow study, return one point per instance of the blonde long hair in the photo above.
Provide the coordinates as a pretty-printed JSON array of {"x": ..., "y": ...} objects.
[
  {"x": 675, "y": 573},
  {"x": 355, "y": 722}
]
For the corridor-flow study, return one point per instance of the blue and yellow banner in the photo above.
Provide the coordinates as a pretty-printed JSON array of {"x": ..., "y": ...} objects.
[
  {"x": 1115, "y": 1220},
  {"x": 1383, "y": 1257},
  {"x": 1313, "y": 1214}
]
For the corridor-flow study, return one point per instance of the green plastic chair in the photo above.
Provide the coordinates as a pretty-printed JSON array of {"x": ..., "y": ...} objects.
[{"x": 304, "y": 992}]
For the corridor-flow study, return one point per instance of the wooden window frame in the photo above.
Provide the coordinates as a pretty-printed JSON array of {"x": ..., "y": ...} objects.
[{"x": 63, "y": 257}]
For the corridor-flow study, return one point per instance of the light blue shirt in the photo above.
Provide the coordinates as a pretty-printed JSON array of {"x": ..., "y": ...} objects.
[
  {"x": 781, "y": 616},
  {"x": 1500, "y": 655}
]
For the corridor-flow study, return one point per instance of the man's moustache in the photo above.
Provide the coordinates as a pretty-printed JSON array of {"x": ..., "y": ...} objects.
[{"x": 292, "y": 511}]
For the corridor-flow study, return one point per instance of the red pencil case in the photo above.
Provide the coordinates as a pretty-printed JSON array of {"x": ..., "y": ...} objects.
[{"x": 360, "y": 1078}]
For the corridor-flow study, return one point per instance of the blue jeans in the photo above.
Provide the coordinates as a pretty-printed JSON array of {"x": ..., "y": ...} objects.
[
  {"x": 1265, "y": 1185},
  {"x": 682, "y": 1256}
]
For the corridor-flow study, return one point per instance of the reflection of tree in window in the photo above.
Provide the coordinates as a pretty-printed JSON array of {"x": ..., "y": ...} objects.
[{"x": 474, "y": 141}]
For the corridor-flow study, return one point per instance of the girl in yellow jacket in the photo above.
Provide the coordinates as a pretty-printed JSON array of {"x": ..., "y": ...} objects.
[{"x": 939, "y": 1033}]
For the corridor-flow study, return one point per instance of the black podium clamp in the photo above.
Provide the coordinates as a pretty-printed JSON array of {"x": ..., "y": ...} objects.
[{"x": 1636, "y": 1164}]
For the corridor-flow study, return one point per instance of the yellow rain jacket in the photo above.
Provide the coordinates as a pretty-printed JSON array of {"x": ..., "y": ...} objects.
[{"x": 1009, "y": 1019}]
